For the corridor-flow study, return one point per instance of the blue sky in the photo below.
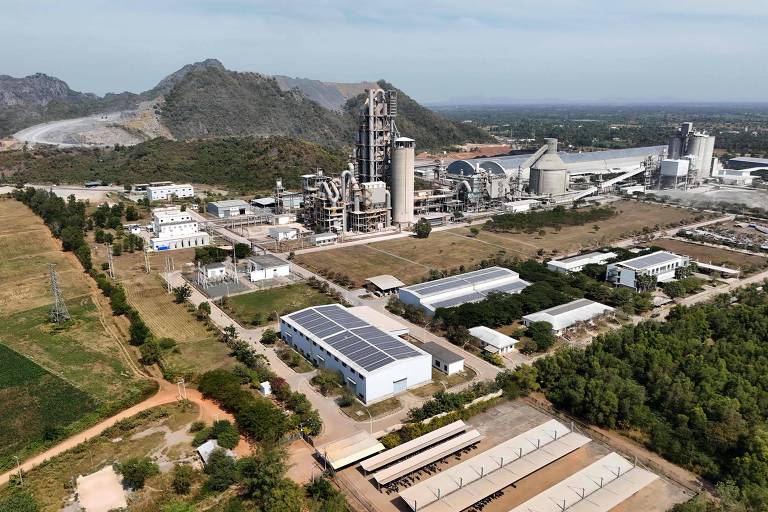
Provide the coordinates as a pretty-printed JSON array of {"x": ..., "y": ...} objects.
[{"x": 436, "y": 50}]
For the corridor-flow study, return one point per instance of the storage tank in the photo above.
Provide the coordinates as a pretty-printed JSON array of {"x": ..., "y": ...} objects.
[
  {"x": 401, "y": 184},
  {"x": 548, "y": 173}
]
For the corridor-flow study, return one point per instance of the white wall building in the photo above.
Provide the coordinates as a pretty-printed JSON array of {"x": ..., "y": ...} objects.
[
  {"x": 577, "y": 263},
  {"x": 167, "y": 191},
  {"x": 267, "y": 266},
  {"x": 229, "y": 208},
  {"x": 320, "y": 239},
  {"x": 742, "y": 177},
  {"x": 456, "y": 290},
  {"x": 523, "y": 205},
  {"x": 281, "y": 233},
  {"x": 661, "y": 264},
  {"x": 493, "y": 341},
  {"x": 175, "y": 229},
  {"x": 375, "y": 364},
  {"x": 443, "y": 359},
  {"x": 564, "y": 316}
]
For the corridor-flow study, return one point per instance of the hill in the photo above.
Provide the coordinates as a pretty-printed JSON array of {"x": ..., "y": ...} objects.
[
  {"x": 41, "y": 98},
  {"x": 331, "y": 95},
  {"x": 216, "y": 103},
  {"x": 430, "y": 129},
  {"x": 245, "y": 164}
]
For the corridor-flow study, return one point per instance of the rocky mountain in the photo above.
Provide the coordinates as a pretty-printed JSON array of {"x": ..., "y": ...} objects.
[
  {"x": 35, "y": 90},
  {"x": 216, "y": 102},
  {"x": 331, "y": 95},
  {"x": 167, "y": 84}
]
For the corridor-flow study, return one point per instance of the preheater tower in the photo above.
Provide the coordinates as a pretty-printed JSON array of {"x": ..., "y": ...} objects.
[{"x": 401, "y": 182}]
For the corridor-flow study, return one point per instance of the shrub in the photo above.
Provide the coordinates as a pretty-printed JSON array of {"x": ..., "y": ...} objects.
[
  {"x": 137, "y": 470},
  {"x": 182, "y": 478}
]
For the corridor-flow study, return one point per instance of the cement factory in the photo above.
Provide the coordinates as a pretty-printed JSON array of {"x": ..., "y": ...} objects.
[{"x": 377, "y": 190}]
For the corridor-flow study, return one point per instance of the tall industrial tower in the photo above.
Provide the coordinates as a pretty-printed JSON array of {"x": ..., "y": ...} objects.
[
  {"x": 59, "y": 311},
  {"x": 375, "y": 135}
]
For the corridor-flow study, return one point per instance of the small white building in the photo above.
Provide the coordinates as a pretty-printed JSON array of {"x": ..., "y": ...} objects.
[
  {"x": 213, "y": 272},
  {"x": 443, "y": 359},
  {"x": 267, "y": 266},
  {"x": 742, "y": 177},
  {"x": 320, "y": 239},
  {"x": 375, "y": 364},
  {"x": 577, "y": 263},
  {"x": 229, "y": 208},
  {"x": 523, "y": 205},
  {"x": 384, "y": 284},
  {"x": 163, "y": 191},
  {"x": 207, "y": 448},
  {"x": 675, "y": 168},
  {"x": 133, "y": 229},
  {"x": 661, "y": 264},
  {"x": 493, "y": 341},
  {"x": 175, "y": 229},
  {"x": 281, "y": 233},
  {"x": 456, "y": 290},
  {"x": 565, "y": 315}
]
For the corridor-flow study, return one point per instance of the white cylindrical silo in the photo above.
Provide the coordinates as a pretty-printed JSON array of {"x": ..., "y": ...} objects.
[
  {"x": 548, "y": 174},
  {"x": 401, "y": 184}
]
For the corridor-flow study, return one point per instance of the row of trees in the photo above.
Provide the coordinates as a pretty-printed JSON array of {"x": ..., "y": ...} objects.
[
  {"x": 559, "y": 216},
  {"x": 694, "y": 386}
]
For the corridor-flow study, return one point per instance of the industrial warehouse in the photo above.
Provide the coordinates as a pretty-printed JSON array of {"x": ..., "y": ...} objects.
[{"x": 375, "y": 364}]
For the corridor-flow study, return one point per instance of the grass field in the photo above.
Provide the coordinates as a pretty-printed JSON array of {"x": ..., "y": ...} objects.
[
  {"x": 285, "y": 299},
  {"x": 198, "y": 349},
  {"x": 30, "y": 393},
  {"x": 81, "y": 359},
  {"x": 410, "y": 259},
  {"x": 714, "y": 255}
]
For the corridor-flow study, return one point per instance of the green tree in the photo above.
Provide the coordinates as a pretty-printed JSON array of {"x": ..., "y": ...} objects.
[
  {"x": 203, "y": 311},
  {"x": 182, "y": 293},
  {"x": 422, "y": 228},
  {"x": 541, "y": 334},
  {"x": 137, "y": 470},
  {"x": 286, "y": 496},
  {"x": 150, "y": 352},
  {"x": 220, "y": 470},
  {"x": 18, "y": 501},
  {"x": 225, "y": 433},
  {"x": 262, "y": 472},
  {"x": 268, "y": 337},
  {"x": 182, "y": 478},
  {"x": 131, "y": 214},
  {"x": 242, "y": 250}
]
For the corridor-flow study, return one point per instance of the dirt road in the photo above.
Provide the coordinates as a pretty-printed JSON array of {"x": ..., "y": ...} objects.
[{"x": 168, "y": 393}]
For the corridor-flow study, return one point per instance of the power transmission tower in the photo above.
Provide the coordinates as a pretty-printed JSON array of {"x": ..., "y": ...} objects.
[
  {"x": 110, "y": 262},
  {"x": 59, "y": 311}
]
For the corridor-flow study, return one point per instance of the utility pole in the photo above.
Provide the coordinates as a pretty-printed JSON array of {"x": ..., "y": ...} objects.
[
  {"x": 110, "y": 262},
  {"x": 146, "y": 260},
  {"x": 59, "y": 311},
  {"x": 18, "y": 467},
  {"x": 168, "y": 273}
]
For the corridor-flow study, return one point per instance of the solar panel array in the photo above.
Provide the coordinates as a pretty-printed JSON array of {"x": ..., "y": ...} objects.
[
  {"x": 356, "y": 339},
  {"x": 651, "y": 260},
  {"x": 454, "y": 282}
]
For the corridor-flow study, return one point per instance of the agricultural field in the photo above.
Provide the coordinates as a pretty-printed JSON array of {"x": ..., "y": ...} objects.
[
  {"x": 198, "y": 349},
  {"x": 75, "y": 373},
  {"x": 30, "y": 393},
  {"x": 162, "y": 431},
  {"x": 748, "y": 263},
  {"x": 410, "y": 259},
  {"x": 285, "y": 299},
  {"x": 26, "y": 248}
]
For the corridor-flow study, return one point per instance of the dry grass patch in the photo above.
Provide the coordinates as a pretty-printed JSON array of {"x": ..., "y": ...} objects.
[{"x": 715, "y": 255}]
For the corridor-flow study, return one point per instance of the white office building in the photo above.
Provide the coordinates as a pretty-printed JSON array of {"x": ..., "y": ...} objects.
[
  {"x": 164, "y": 191},
  {"x": 175, "y": 229},
  {"x": 375, "y": 364},
  {"x": 661, "y": 264},
  {"x": 577, "y": 263},
  {"x": 566, "y": 315},
  {"x": 281, "y": 233},
  {"x": 267, "y": 266},
  {"x": 456, "y": 290}
]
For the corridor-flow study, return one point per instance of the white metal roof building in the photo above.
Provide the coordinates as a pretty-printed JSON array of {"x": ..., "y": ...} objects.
[
  {"x": 443, "y": 359},
  {"x": 207, "y": 448},
  {"x": 384, "y": 283},
  {"x": 472, "y": 480},
  {"x": 599, "y": 487},
  {"x": 493, "y": 341},
  {"x": 565, "y": 315},
  {"x": 228, "y": 208},
  {"x": 349, "y": 450},
  {"x": 267, "y": 266},
  {"x": 374, "y": 363},
  {"x": 577, "y": 263},
  {"x": 378, "y": 319},
  {"x": 661, "y": 264},
  {"x": 456, "y": 290}
]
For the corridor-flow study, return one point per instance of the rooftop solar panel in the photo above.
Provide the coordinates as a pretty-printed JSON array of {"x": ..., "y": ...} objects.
[{"x": 360, "y": 342}]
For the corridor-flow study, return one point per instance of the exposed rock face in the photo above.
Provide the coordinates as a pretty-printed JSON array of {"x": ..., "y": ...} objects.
[
  {"x": 38, "y": 89},
  {"x": 331, "y": 95}
]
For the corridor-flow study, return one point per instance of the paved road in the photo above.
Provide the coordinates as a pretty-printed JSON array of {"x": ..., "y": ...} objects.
[{"x": 168, "y": 393}]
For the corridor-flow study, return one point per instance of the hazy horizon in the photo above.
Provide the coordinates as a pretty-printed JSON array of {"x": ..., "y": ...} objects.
[{"x": 499, "y": 52}]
